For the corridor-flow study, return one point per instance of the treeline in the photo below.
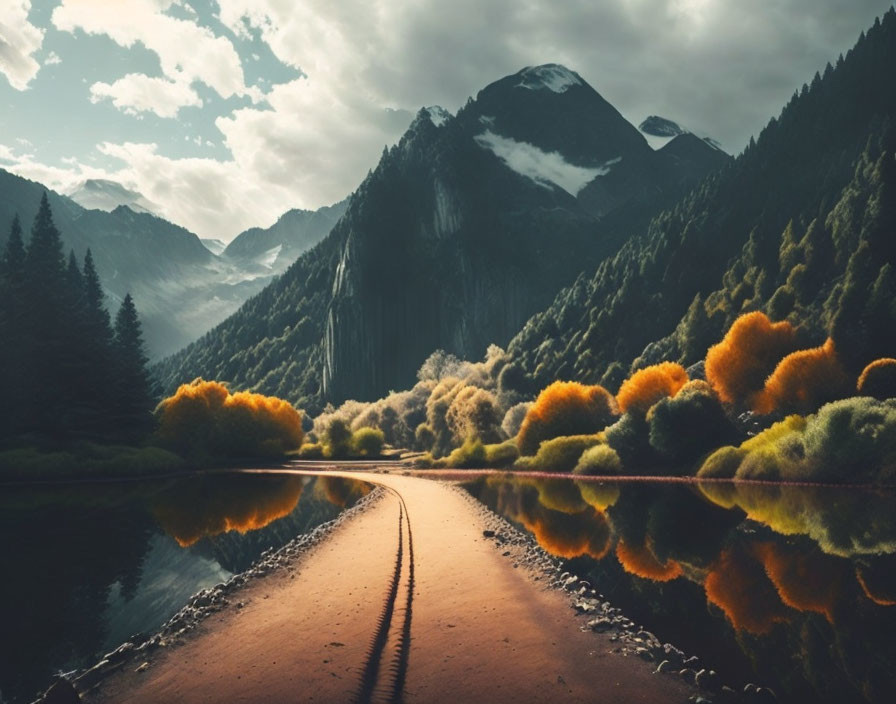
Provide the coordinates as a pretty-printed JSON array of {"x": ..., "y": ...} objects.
[
  {"x": 799, "y": 226},
  {"x": 67, "y": 371}
]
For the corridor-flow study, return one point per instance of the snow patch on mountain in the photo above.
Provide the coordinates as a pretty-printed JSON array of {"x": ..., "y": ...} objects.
[
  {"x": 438, "y": 115},
  {"x": 102, "y": 194},
  {"x": 553, "y": 77},
  {"x": 659, "y": 131},
  {"x": 547, "y": 169}
]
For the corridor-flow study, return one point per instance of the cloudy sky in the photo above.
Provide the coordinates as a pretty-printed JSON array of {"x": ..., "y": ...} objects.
[{"x": 226, "y": 113}]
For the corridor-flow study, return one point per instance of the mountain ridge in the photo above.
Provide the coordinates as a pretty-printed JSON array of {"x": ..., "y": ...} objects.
[{"x": 444, "y": 245}]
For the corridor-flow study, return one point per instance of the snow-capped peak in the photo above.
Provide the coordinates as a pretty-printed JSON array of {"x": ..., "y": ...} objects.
[
  {"x": 553, "y": 77},
  {"x": 438, "y": 115},
  {"x": 659, "y": 131},
  {"x": 102, "y": 194}
]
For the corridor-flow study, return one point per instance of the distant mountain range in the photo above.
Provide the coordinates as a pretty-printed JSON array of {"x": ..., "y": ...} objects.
[
  {"x": 468, "y": 226},
  {"x": 181, "y": 286},
  {"x": 276, "y": 247},
  {"x": 102, "y": 194}
]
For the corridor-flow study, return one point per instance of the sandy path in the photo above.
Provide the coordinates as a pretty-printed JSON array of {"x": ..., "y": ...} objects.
[{"x": 346, "y": 626}]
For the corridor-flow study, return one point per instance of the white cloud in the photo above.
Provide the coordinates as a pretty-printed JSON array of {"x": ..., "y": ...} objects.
[
  {"x": 52, "y": 59},
  {"x": 208, "y": 197},
  {"x": 6, "y": 154},
  {"x": 136, "y": 93},
  {"x": 186, "y": 51},
  {"x": 316, "y": 139},
  {"x": 722, "y": 68},
  {"x": 19, "y": 40}
]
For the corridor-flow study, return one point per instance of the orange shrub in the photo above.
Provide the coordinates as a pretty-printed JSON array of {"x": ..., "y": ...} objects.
[
  {"x": 738, "y": 366},
  {"x": 640, "y": 561},
  {"x": 565, "y": 408},
  {"x": 738, "y": 584},
  {"x": 204, "y": 419},
  {"x": 803, "y": 381},
  {"x": 878, "y": 379},
  {"x": 647, "y": 386}
]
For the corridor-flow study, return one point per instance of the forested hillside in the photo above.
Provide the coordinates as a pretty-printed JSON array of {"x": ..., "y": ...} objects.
[
  {"x": 466, "y": 227},
  {"x": 801, "y": 225}
]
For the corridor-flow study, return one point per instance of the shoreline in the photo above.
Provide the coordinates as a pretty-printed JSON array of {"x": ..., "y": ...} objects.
[{"x": 586, "y": 605}]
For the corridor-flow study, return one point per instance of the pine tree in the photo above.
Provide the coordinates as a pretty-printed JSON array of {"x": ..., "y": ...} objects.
[
  {"x": 133, "y": 389},
  {"x": 44, "y": 408},
  {"x": 14, "y": 255},
  {"x": 11, "y": 318},
  {"x": 97, "y": 332}
]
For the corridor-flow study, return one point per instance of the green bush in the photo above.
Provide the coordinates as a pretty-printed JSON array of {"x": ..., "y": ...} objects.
[
  {"x": 424, "y": 437},
  {"x": 86, "y": 460},
  {"x": 722, "y": 464},
  {"x": 853, "y": 440},
  {"x": 311, "y": 451},
  {"x": 468, "y": 456},
  {"x": 599, "y": 460},
  {"x": 559, "y": 454},
  {"x": 502, "y": 454},
  {"x": 630, "y": 437},
  {"x": 690, "y": 424},
  {"x": 367, "y": 442},
  {"x": 337, "y": 439}
]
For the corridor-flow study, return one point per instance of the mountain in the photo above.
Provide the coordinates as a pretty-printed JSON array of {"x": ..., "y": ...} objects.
[
  {"x": 278, "y": 246},
  {"x": 102, "y": 194},
  {"x": 660, "y": 131},
  {"x": 212, "y": 245},
  {"x": 801, "y": 225},
  {"x": 181, "y": 289},
  {"x": 466, "y": 227}
]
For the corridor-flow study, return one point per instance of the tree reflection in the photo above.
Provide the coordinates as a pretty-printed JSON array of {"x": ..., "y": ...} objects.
[
  {"x": 792, "y": 574},
  {"x": 211, "y": 506}
]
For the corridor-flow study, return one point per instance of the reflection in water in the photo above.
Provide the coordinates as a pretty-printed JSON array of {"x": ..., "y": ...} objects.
[
  {"x": 791, "y": 586},
  {"x": 221, "y": 504},
  {"x": 91, "y": 565},
  {"x": 841, "y": 522},
  {"x": 339, "y": 491}
]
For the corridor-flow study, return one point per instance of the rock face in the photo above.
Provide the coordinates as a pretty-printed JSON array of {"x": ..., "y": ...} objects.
[
  {"x": 466, "y": 227},
  {"x": 473, "y": 222}
]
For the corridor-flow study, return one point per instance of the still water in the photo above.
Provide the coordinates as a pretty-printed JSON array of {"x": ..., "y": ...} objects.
[
  {"x": 788, "y": 587},
  {"x": 86, "y": 567}
]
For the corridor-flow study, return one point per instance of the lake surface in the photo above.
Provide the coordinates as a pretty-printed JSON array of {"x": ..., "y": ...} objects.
[
  {"x": 85, "y": 567},
  {"x": 788, "y": 587}
]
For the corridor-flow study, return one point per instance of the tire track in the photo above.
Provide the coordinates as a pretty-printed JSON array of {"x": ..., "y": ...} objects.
[{"x": 385, "y": 670}]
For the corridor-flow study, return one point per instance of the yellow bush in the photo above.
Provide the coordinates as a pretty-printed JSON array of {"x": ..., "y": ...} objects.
[
  {"x": 565, "y": 408},
  {"x": 649, "y": 385},
  {"x": 738, "y": 366},
  {"x": 204, "y": 419},
  {"x": 559, "y": 454}
]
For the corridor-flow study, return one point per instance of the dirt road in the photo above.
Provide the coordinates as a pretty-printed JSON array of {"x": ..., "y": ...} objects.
[{"x": 405, "y": 602}]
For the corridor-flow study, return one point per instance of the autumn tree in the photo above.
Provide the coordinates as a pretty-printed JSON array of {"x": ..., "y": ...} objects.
[
  {"x": 878, "y": 379},
  {"x": 566, "y": 408},
  {"x": 738, "y": 366},
  {"x": 649, "y": 385},
  {"x": 803, "y": 381},
  {"x": 204, "y": 420}
]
